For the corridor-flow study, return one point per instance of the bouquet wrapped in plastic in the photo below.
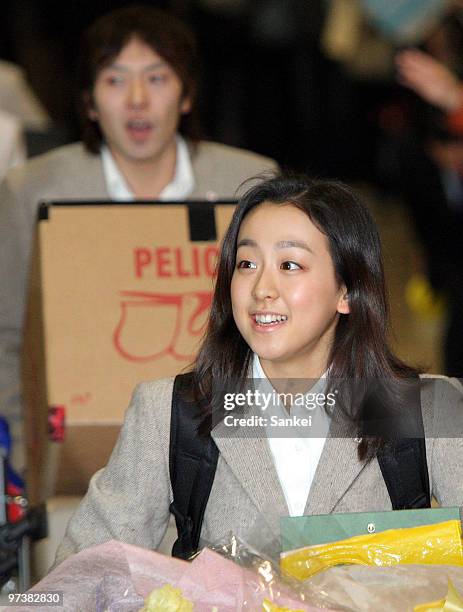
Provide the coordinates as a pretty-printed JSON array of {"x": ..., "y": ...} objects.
[{"x": 117, "y": 577}]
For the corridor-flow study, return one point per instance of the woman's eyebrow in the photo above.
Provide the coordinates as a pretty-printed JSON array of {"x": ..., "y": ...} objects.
[
  {"x": 246, "y": 242},
  {"x": 281, "y": 244},
  {"x": 288, "y": 244}
]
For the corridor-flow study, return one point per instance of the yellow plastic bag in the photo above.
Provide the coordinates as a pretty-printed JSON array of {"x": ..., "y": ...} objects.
[{"x": 428, "y": 544}]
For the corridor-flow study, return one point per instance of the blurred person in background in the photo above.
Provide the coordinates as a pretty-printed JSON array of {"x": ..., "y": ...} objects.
[
  {"x": 19, "y": 100},
  {"x": 432, "y": 185},
  {"x": 37, "y": 133},
  {"x": 140, "y": 140},
  {"x": 12, "y": 145},
  {"x": 434, "y": 82}
]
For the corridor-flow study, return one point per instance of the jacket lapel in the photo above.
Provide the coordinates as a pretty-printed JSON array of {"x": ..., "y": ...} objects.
[
  {"x": 251, "y": 462},
  {"x": 336, "y": 471}
]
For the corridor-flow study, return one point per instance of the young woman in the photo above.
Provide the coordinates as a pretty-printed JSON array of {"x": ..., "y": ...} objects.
[{"x": 300, "y": 294}]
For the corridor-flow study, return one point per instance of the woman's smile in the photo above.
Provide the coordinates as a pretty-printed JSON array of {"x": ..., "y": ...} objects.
[{"x": 268, "y": 321}]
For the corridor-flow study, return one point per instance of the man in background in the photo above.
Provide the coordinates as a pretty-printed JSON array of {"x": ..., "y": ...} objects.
[{"x": 138, "y": 83}]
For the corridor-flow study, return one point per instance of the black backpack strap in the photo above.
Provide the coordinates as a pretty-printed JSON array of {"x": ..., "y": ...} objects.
[
  {"x": 405, "y": 471},
  {"x": 192, "y": 465}
]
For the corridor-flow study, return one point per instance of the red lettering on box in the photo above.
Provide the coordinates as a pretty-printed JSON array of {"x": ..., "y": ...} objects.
[
  {"x": 176, "y": 262},
  {"x": 81, "y": 398},
  {"x": 195, "y": 261},
  {"x": 163, "y": 261},
  {"x": 142, "y": 259},
  {"x": 180, "y": 271}
]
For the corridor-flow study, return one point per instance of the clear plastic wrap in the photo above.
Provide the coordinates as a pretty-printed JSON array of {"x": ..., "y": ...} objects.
[
  {"x": 269, "y": 576},
  {"x": 428, "y": 544},
  {"x": 387, "y": 589},
  {"x": 453, "y": 602},
  {"x": 117, "y": 577}
]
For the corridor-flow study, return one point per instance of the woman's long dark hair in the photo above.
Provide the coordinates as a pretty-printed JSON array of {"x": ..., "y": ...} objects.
[{"x": 360, "y": 349}]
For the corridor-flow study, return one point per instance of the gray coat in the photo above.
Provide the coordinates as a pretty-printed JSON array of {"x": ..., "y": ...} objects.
[
  {"x": 129, "y": 499},
  {"x": 70, "y": 172}
]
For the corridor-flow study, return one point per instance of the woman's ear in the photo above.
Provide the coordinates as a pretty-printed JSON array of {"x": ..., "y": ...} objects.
[{"x": 343, "y": 304}]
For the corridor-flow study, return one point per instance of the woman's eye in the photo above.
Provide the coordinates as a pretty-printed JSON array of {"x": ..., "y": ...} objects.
[
  {"x": 290, "y": 265},
  {"x": 246, "y": 264}
]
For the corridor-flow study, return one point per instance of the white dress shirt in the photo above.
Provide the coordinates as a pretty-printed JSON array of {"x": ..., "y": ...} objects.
[
  {"x": 180, "y": 187},
  {"x": 296, "y": 458}
]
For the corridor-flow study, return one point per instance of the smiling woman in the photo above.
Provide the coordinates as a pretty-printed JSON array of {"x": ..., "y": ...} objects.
[
  {"x": 286, "y": 299},
  {"x": 300, "y": 295},
  {"x": 311, "y": 244},
  {"x": 300, "y": 290}
]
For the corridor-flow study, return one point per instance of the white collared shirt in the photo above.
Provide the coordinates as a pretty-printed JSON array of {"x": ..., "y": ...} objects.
[
  {"x": 296, "y": 458},
  {"x": 180, "y": 187}
]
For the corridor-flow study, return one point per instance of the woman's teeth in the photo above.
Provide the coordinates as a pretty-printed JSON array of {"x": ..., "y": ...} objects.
[{"x": 266, "y": 319}]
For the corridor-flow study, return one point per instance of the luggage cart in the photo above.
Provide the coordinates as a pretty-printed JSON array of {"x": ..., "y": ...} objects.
[{"x": 16, "y": 537}]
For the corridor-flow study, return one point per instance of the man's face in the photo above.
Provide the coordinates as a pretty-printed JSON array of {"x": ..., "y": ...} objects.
[{"x": 137, "y": 101}]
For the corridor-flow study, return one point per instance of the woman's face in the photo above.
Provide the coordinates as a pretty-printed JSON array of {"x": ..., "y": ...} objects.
[{"x": 285, "y": 297}]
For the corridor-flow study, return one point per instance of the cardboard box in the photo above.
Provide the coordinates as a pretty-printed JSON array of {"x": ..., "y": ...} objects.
[{"x": 118, "y": 294}]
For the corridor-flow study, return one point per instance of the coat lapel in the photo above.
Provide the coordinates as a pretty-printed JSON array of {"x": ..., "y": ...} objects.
[
  {"x": 251, "y": 462},
  {"x": 337, "y": 469}
]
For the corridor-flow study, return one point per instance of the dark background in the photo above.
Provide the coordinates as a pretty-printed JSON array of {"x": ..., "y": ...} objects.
[{"x": 266, "y": 83}]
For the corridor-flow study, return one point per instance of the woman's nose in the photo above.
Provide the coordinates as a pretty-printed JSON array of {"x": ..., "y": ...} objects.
[{"x": 265, "y": 287}]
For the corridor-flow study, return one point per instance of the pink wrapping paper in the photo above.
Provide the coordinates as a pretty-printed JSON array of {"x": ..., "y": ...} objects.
[
  {"x": 117, "y": 577},
  {"x": 211, "y": 580}
]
